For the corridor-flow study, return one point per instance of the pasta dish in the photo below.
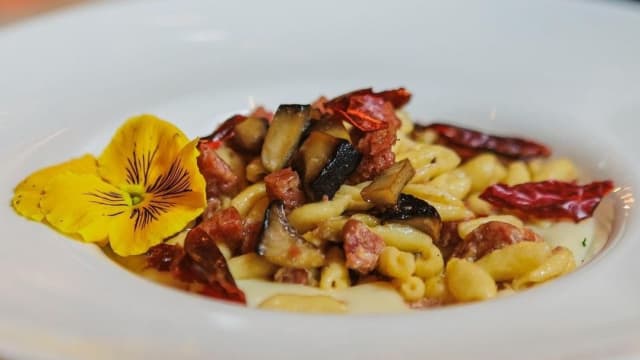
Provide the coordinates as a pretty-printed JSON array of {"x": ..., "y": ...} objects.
[{"x": 341, "y": 205}]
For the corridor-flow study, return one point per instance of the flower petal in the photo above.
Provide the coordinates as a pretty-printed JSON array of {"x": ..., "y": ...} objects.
[
  {"x": 83, "y": 204},
  {"x": 140, "y": 150},
  {"x": 176, "y": 198},
  {"x": 26, "y": 198}
]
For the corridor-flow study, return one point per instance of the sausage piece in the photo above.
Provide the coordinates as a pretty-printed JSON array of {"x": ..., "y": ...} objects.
[
  {"x": 491, "y": 236},
  {"x": 285, "y": 185},
  {"x": 362, "y": 247}
]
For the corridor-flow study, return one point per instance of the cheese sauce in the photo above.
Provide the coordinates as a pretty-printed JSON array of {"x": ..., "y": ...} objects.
[{"x": 377, "y": 297}]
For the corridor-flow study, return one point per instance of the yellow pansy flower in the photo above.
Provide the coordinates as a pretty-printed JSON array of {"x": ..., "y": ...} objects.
[
  {"x": 26, "y": 198},
  {"x": 146, "y": 187}
]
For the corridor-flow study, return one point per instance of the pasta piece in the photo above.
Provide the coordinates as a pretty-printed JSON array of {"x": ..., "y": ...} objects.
[
  {"x": 535, "y": 166},
  {"x": 479, "y": 206},
  {"x": 304, "y": 303},
  {"x": 308, "y": 216},
  {"x": 225, "y": 250},
  {"x": 406, "y": 123},
  {"x": 484, "y": 170},
  {"x": 255, "y": 170},
  {"x": 355, "y": 202},
  {"x": 412, "y": 288},
  {"x": 427, "y": 137},
  {"x": 515, "y": 260},
  {"x": 395, "y": 263},
  {"x": 466, "y": 227},
  {"x": 367, "y": 219},
  {"x": 517, "y": 173},
  {"x": 435, "y": 288},
  {"x": 505, "y": 292},
  {"x": 403, "y": 145},
  {"x": 327, "y": 231},
  {"x": 250, "y": 266},
  {"x": 404, "y": 237},
  {"x": 558, "y": 169},
  {"x": 467, "y": 281},
  {"x": 335, "y": 274},
  {"x": 455, "y": 183},
  {"x": 449, "y": 207},
  {"x": 256, "y": 214},
  {"x": 559, "y": 263},
  {"x": 430, "y": 161},
  {"x": 452, "y": 212},
  {"x": 244, "y": 201},
  {"x": 429, "y": 262}
]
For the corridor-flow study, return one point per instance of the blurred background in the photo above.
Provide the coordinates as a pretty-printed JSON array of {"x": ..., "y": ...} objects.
[{"x": 14, "y": 10}]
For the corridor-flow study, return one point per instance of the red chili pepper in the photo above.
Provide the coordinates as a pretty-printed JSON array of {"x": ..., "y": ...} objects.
[
  {"x": 200, "y": 261},
  {"x": 367, "y": 113},
  {"x": 549, "y": 199},
  {"x": 511, "y": 147},
  {"x": 226, "y": 130},
  {"x": 397, "y": 97},
  {"x": 210, "y": 266},
  {"x": 364, "y": 108}
]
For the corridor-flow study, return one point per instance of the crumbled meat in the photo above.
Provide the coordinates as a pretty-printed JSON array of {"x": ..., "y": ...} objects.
[
  {"x": 295, "y": 276},
  {"x": 219, "y": 177},
  {"x": 362, "y": 247},
  {"x": 285, "y": 185},
  {"x": 251, "y": 236},
  {"x": 225, "y": 226},
  {"x": 375, "y": 147},
  {"x": 491, "y": 236}
]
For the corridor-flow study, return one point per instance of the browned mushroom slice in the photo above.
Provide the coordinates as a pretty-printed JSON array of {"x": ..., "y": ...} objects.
[
  {"x": 281, "y": 244},
  {"x": 414, "y": 212},
  {"x": 386, "y": 188},
  {"x": 249, "y": 134},
  {"x": 283, "y": 135},
  {"x": 325, "y": 163}
]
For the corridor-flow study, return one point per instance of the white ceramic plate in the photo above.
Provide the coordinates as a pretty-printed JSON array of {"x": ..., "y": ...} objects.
[{"x": 565, "y": 72}]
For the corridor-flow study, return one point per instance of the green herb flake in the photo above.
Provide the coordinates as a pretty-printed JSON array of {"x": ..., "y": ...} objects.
[{"x": 584, "y": 242}]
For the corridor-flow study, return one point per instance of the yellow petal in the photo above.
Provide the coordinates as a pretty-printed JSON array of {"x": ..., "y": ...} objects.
[
  {"x": 140, "y": 150},
  {"x": 26, "y": 199},
  {"x": 84, "y": 205},
  {"x": 173, "y": 199}
]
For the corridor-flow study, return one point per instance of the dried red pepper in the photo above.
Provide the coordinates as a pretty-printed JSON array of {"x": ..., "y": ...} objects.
[
  {"x": 200, "y": 261},
  {"x": 511, "y": 147},
  {"x": 225, "y": 131},
  {"x": 397, "y": 97},
  {"x": 210, "y": 266},
  {"x": 550, "y": 199},
  {"x": 366, "y": 112},
  {"x": 365, "y": 109}
]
